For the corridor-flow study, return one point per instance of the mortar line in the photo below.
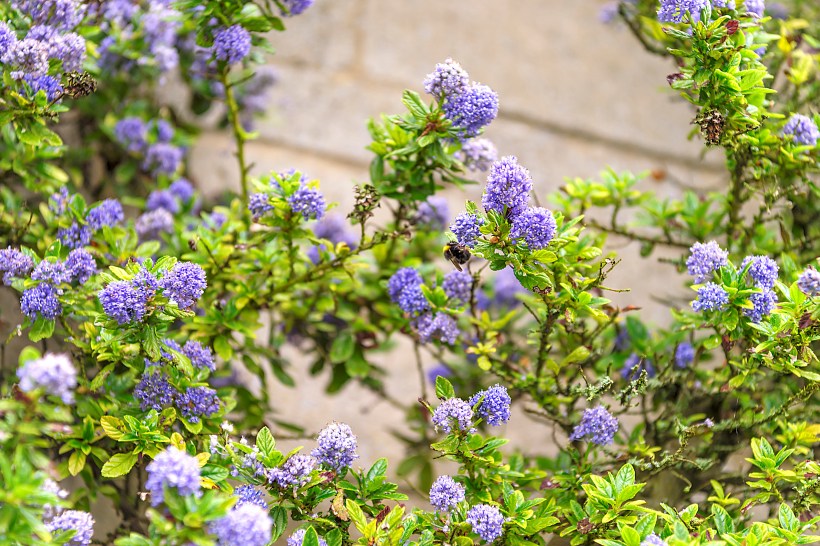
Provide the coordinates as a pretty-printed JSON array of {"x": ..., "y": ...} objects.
[{"x": 604, "y": 141}]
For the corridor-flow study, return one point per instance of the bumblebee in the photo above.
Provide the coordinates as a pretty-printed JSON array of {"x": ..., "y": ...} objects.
[{"x": 457, "y": 253}]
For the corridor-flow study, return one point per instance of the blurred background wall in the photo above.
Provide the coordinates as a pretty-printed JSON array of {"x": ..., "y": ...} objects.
[{"x": 576, "y": 96}]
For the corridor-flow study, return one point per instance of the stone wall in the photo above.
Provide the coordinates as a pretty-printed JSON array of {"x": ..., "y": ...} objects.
[{"x": 576, "y": 97}]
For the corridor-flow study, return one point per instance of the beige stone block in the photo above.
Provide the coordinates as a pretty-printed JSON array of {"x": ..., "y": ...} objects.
[{"x": 549, "y": 60}]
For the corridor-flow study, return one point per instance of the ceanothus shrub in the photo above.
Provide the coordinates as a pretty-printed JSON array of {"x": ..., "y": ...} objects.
[{"x": 139, "y": 298}]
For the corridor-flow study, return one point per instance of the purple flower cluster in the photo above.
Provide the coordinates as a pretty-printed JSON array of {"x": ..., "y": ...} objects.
[
  {"x": 801, "y": 128},
  {"x": 453, "y": 411},
  {"x": 597, "y": 426},
  {"x": 711, "y": 297},
  {"x": 232, "y": 44},
  {"x": 53, "y": 373},
  {"x": 295, "y": 7},
  {"x": 163, "y": 130},
  {"x": 14, "y": 264},
  {"x": 446, "y": 493},
  {"x": 127, "y": 302},
  {"x": 295, "y": 472},
  {"x": 162, "y": 158},
  {"x": 448, "y": 79},
  {"x": 49, "y": 84},
  {"x": 458, "y": 285},
  {"x": 763, "y": 303},
  {"x": 172, "y": 468},
  {"x": 467, "y": 228},
  {"x": 762, "y": 270},
  {"x": 123, "y": 302},
  {"x": 684, "y": 355},
  {"x": 470, "y": 107},
  {"x": 200, "y": 356},
  {"x": 58, "y": 201},
  {"x": 162, "y": 199},
  {"x": 107, "y": 213},
  {"x": 404, "y": 288},
  {"x": 808, "y": 282},
  {"x": 439, "y": 327},
  {"x": 154, "y": 391},
  {"x": 58, "y": 14},
  {"x": 634, "y": 365},
  {"x": 48, "y": 39},
  {"x": 705, "y": 258},
  {"x": 433, "y": 213},
  {"x": 41, "y": 300},
  {"x": 184, "y": 283},
  {"x": 151, "y": 225},
  {"x": 472, "y": 110},
  {"x": 298, "y": 538},
  {"x": 336, "y": 446},
  {"x": 674, "y": 11},
  {"x": 755, "y": 7},
  {"x": 486, "y": 521},
  {"x": 182, "y": 189},
  {"x": 73, "y": 520},
  {"x": 259, "y": 205},
  {"x": 132, "y": 133},
  {"x": 247, "y": 523},
  {"x": 248, "y": 494},
  {"x": 309, "y": 202},
  {"x": 147, "y": 28},
  {"x": 159, "y": 157},
  {"x": 508, "y": 187},
  {"x": 198, "y": 402},
  {"x": 51, "y": 271},
  {"x": 75, "y": 236},
  {"x": 146, "y": 284},
  {"x": 477, "y": 154},
  {"x": 494, "y": 407},
  {"x": 536, "y": 226}
]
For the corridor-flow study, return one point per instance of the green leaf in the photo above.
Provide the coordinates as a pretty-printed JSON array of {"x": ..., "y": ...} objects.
[
  {"x": 579, "y": 354},
  {"x": 193, "y": 428},
  {"x": 787, "y": 518},
  {"x": 76, "y": 462},
  {"x": 223, "y": 348},
  {"x": 41, "y": 329},
  {"x": 151, "y": 345},
  {"x": 280, "y": 522},
  {"x": 356, "y": 514},
  {"x": 723, "y": 521},
  {"x": 711, "y": 342},
  {"x": 119, "y": 465},
  {"x": 311, "y": 538},
  {"x": 444, "y": 389},
  {"x": 377, "y": 470},
  {"x": 357, "y": 366},
  {"x": 630, "y": 536},
  {"x": 27, "y": 354},
  {"x": 265, "y": 442},
  {"x": 343, "y": 347},
  {"x": 413, "y": 103},
  {"x": 111, "y": 426}
]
